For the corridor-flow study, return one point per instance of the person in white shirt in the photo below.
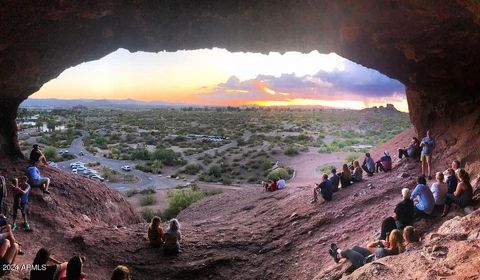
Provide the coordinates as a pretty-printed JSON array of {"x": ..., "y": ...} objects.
[
  {"x": 281, "y": 184},
  {"x": 439, "y": 189}
]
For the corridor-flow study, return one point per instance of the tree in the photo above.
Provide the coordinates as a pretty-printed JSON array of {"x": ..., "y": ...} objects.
[
  {"x": 166, "y": 156},
  {"x": 51, "y": 154},
  {"x": 51, "y": 124}
]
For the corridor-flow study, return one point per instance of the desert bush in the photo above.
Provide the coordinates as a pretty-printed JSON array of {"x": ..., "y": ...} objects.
[
  {"x": 352, "y": 156},
  {"x": 51, "y": 154},
  {"x": 192, "y": 168},
  {"x": 148, "y": 199},
  {"x": 149, "y": 190},
  {"x": 67, "y": 156},
  {"x": 290, "y": 151},
  {"x": 131, "y": 192},
  {"x": 327, "y": 168},
  {"x": 279, "y": 173},
  {"x": 226, "y": 180},
  {"x": 215, "y": 171},
  {"x": 179, "y": 199},
  {"x": 149, "y": 213}
]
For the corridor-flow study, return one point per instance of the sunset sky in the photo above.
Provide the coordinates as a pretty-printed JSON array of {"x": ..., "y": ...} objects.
[{"x": 219, "y": 77}]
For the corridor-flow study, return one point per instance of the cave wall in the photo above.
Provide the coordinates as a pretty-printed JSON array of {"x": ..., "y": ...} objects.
[{"x": 432, "y": 47}]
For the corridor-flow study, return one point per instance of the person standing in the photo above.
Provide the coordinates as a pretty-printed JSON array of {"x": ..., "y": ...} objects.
[
  {"x": 427, "y": 145},
  {"x": 20, "y": 201}
]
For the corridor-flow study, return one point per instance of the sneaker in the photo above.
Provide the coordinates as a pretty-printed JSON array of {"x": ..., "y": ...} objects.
[
  {"x": 26, "y": 227},
  {"x": 14, "y": 227},
  {"x": 334, "y": 255}
]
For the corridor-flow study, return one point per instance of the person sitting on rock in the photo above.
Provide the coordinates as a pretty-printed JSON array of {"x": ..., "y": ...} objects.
[
  {"x": 452, "y": 181},
  {"x": 36, "y": 155},
  {"x": 335, "y": 180},
  {"x": 463, "y": 195},
  {"x": 9, "y": 248},
  {"x": 155, "y": 232},
  {"x": 357, "y": 172},
  {"x": 456, "y": 165},
  {"x": 404, "y": 214},
  {"x": 393, "y": 246},
  {"x": 121, "y": 272},
  {"x": 75, "y": 269},
  {"x": 172, "y": 238},
  {"x": 427, "y": 145},
  {"x": 345, "y": 176},
  {"x": 359, "y": 256},
  {"x": 411, "y": 151},
  {"x": 410, "y": 238},
  {"x": 324, "y": 189},
  {"x": 368, "y": 164},
  {"x": 36, "y": 180},
  {"x": 281, "y": 184},
  {"x": 425, "y": 202},
  {"x": 6, "y": 234},
  {"x": 385, "y": 163},
  {"x": 43, "y": 271},
  {"x": 20, "y": 201},
  {"x": 439, "y": 190}
]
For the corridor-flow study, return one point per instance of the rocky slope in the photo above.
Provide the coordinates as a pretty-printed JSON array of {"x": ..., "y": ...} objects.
[{"x": 248, "y": 233}]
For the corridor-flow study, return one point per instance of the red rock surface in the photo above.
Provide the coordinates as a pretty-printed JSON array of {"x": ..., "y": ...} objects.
[{"x": 249, "y": 233}]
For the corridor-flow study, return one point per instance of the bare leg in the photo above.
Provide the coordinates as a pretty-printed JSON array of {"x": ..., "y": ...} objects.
[
  {"x": 47, "y": 184},
  {"x": 4, "y": 247},
  {"x": 315, "y": 196},
  {"x": 11, "y": 254},
  {"x": 429, "y": 163}
]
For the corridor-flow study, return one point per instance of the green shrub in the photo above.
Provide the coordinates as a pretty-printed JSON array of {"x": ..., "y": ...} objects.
[
  {"x": 291, "y": 151},
  {"x": 179, "y": 199},
  {"x": 226, "y": 180},
  {"x": 148, "y": 199},
  {"x": 131, "y": 192},
  {"x": 352, "y": 156},
  {"x": 215, "y": 171},
  {"x": 192, "y": 168},
  {"x": 51, "y": 154},
  {"x": 279, "y": 173},
  {"x": 327, "y": 168},
  {"x": 149, "y": 190},
  {"x": 149, "y": 213}
]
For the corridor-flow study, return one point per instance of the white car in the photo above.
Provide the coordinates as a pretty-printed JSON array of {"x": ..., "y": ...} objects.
[
  {"x": 96, "y": 177},
  {"x": 81, "y": 168},
  {"x": 126, "y": 168},
  {"x": 74, "y": 171}
]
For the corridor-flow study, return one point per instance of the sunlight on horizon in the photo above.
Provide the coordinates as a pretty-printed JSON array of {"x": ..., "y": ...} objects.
[{"x": 219, "y": 77}]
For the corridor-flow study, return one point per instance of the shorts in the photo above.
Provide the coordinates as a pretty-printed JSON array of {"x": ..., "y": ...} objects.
[
  {"x": 426, "y": 157},
  {"x": 39, "y": 182},
  {"x": 18, "y": 205}
]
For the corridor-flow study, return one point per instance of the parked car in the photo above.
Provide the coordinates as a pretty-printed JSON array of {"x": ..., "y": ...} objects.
[{"x": 126, "y": 168}]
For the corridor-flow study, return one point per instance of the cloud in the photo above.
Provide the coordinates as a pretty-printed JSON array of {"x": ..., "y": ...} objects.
[{"x": 353, "y": 82}]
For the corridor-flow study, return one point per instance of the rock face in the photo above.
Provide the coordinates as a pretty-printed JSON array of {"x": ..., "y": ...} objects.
[{"x": 432, "y": 47}]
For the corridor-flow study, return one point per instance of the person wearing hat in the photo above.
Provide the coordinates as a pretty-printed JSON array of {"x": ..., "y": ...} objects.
[{"x": 385, "y": 163}]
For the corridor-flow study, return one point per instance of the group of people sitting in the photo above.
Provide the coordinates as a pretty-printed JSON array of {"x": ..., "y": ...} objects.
[
  {"x": 273, "y": 185},
  {"x": 350, "y": 174},
  {"x": 46, "y": 267},
  {"x": 169, "y": 240},
  {"x": 450, "y": 187}
]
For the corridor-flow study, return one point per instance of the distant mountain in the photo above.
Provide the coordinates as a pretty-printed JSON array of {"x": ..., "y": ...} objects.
[{"x": 68, "y": 103}]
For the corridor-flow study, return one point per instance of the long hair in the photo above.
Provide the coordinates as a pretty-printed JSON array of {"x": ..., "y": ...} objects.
[
  {"x": 346, "y": 171},
  {"x": 74, "y": 268},
  {"x": 410, "y": 234},
  {"x": 356, "y": 164},
  {"x": 464, "y": 177},
  {"x": 41, "y": 257},
  {"x": 155, "y": 222},
  {"x": 396, "y": 241},
  {"x": 174, "y": 225}
]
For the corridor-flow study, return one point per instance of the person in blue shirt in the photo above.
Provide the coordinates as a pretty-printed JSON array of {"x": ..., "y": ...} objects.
[
  {"x": 425, "y": 202},
  {"x": 324, "y": 189},
  {"x": 36, "y": 180},
  {"x": 427, "y": 145},
  {"x": 334, "y": 180},
  {"x": 368, "y": 164},
  {"x": 20, "y": 201}
]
